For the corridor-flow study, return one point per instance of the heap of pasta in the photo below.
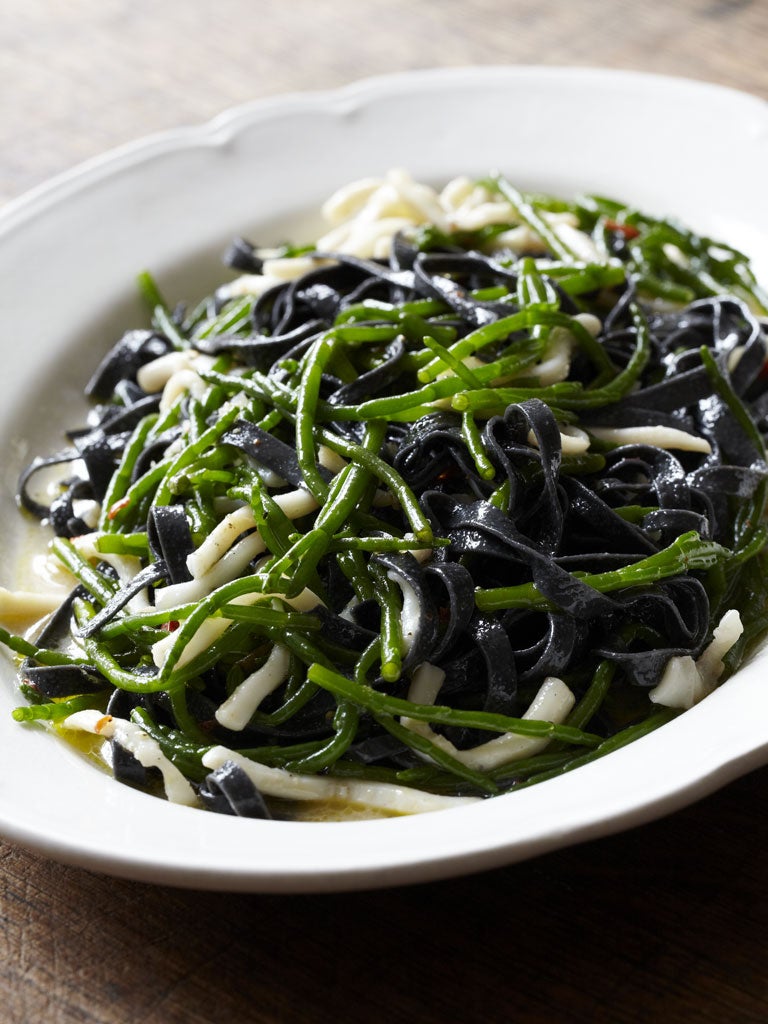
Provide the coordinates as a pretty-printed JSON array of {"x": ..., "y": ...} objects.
[{"x": 464, "y": 495}]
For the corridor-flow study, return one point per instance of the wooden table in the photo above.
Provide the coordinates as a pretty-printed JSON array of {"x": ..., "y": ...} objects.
[{"x": 664, "y": 923}]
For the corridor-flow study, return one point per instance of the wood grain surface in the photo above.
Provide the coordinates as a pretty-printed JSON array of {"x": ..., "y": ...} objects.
[
  {"x": 79, "y": 77},
  {"x": 664, "y": 923}
]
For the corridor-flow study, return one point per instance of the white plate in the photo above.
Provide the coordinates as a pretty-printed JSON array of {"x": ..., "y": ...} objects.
[{"x": 69, "y": 253}]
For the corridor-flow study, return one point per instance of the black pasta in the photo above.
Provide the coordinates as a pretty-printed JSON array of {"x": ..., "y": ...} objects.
[{"x": 400, "y": 501}]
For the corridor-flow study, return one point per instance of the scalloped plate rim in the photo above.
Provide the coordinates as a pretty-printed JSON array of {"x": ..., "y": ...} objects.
[{"x": 384, "y": 852}]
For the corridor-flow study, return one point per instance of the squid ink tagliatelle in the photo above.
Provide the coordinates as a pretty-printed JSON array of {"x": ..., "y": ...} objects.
[{"x": 464, "y": 495}]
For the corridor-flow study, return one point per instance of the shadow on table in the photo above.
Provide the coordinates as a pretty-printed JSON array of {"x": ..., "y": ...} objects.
[{"x": 664, "y": 923}]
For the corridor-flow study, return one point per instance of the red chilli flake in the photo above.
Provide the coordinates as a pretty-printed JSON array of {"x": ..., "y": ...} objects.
[
  {"x": 118, "y": 507},
  {"x": 623, "y": 229},
  {"x": 171, "y": 626}
]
